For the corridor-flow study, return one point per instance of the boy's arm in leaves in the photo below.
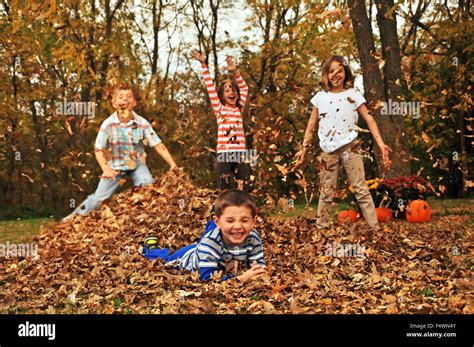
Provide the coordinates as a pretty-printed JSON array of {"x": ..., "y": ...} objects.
[{"x": 166, "y": 155}]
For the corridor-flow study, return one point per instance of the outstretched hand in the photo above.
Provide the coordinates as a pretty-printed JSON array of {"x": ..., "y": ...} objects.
[
  {"x": 199, "y": 56},
  {"x": 300, "y": 158},
  {"x": 231, "y": 67},
  {"x": 175, "y": 168},
  {"x": 386, "y": 155},
  {"x": 109, "y": 173}
]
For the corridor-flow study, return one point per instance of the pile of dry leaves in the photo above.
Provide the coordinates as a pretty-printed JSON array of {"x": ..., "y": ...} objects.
[{"x": 92, "y": 265}]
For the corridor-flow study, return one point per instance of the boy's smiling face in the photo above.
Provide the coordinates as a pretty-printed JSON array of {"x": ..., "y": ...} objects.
[
  {"x": 124, "y": 100},
  {"x": 235, "y": 223}
]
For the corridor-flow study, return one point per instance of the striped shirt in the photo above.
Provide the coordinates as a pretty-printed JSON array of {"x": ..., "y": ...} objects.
[
  {"x": 125, "y": 141},
  {"x": 211, "y": 254},
  {"x": 230, "y": 127}
]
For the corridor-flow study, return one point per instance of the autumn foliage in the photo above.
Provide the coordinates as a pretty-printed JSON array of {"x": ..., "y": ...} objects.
[
  {"x": 92, "y": 264},
  {"x": 58, "y": 52}
]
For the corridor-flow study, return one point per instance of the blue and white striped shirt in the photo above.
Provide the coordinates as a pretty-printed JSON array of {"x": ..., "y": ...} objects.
[{"x": 211, "y": 254}]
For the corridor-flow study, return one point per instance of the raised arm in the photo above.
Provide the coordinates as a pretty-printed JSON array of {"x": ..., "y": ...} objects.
[
  {"x": 243, "y": 87},
  {"x": 211, "y": 88}
]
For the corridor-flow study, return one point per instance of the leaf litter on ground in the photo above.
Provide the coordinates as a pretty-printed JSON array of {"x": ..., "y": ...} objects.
[{"x": 91, "y": 264}]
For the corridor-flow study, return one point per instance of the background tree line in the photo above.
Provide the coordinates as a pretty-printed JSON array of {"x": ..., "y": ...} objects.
[{"x": 417, "y": 51}]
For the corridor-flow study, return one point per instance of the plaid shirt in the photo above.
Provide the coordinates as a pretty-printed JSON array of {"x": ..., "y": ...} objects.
[{"x": 125, "y": 141}]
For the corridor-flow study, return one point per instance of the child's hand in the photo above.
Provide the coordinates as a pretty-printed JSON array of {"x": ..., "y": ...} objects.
[
  {"x": 109, "y": 173},
  {"x": 199, "y": 56},
  {"x": 385, "y": 154},
  {"x": 255, "y": 272},
  {"x": 300, "y": 158},
  {"x": 231, "y": 67},
  {"x": 143, "y": 158},
  {"x": 173, "y": 167}
]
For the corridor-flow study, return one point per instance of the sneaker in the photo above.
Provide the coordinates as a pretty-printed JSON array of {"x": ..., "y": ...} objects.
[
  {"x": 151, "y": 242},
  {"x": 67, "y": 218}
]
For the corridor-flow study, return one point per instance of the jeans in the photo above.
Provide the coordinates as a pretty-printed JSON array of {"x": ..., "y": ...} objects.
[
  {"x": 141, "y": 176},
  {"x": 163, "y": 253}
]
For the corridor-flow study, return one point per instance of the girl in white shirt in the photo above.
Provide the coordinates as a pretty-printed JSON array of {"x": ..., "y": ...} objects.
[{"x": 336, "y": 110}]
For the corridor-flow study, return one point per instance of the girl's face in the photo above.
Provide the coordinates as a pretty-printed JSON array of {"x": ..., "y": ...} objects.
[
  {"x": 235, "y": 224},
  {"x": 230, "y": 95},
  {"x": 336, "y": 75},
  {"x": 124, "y": 100}
]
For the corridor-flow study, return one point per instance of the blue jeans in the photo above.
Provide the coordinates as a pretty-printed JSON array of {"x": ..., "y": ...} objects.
[
  {"x": 141, "y": 176},
  {"x": 210, "y": 225},
  {"x": 163, "y": 253}
]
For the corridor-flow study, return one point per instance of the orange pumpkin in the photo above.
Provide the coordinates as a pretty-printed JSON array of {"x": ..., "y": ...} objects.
[
  {"x": 418, "y": 211},
  {"x": 348, "y": 216},
  {"x": 384, "y": 214}
]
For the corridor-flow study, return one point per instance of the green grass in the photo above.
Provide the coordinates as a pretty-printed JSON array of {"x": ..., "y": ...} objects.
[
  {"x": 22, "y": 230},
  {"x": 301, "y": 210},
  {"x": 450, "y": 203}
]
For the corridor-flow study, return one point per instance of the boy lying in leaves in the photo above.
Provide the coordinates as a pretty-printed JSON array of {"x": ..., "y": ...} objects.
[{"x": 228, "y": 237}]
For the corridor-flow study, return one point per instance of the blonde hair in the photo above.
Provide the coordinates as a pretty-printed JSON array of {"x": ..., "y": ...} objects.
[{"x": 348, "y": 79}]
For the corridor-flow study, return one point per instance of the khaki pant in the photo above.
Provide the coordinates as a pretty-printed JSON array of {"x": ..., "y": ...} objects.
[{"x": 350, "y": 156}]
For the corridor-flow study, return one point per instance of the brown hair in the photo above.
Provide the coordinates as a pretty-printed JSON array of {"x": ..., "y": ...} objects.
[
  {"x": 119, "y": 87},
  {"x": 234, "y": 198},
  {"x": 234, "y": 85},
  {"x": 348, "y": 79}
]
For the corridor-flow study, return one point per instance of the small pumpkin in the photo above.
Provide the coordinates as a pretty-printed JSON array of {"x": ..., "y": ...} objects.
[
  {"x": 384, "y": 214},
  {"x": 348, "y": 216},
  {"x": 418, "y": 212}
]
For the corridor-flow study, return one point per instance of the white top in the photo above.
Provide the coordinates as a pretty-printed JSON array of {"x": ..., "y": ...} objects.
[{"x": 337, "y": 117}]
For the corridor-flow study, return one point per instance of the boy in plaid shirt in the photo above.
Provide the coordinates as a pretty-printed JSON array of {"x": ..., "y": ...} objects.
[{"x": 122, "y": 135}]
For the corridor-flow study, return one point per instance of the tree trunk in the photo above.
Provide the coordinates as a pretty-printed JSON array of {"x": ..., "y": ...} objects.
[
  {"x": 464, "y": 10},
  {"x": 104, "y": 66},
  {"x": 375, "y": 91},
  {"x": 390, "y": 50},
  {"x": 266, "y": 38},
  {"x": 156, "y": 30},
  {"x": 215, "y": 18}
]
